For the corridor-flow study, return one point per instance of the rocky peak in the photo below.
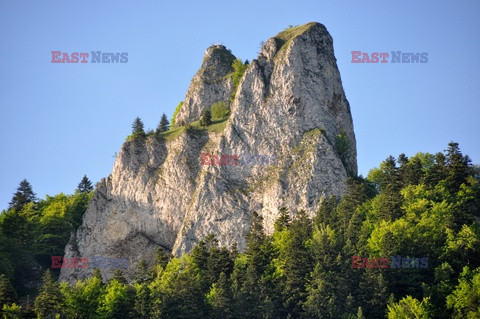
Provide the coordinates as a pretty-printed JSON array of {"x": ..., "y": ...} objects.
[
  {"x": 210, "y": 84},
  {"x": 289, "y": 105}
]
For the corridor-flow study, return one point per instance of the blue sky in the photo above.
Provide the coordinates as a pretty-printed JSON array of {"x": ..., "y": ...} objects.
[{"x": 61, "y": 121}]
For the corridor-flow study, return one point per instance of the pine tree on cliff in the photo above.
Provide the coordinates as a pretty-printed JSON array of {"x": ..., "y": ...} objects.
[
  {"x": 137, "y": 127},
  {"x": 85, "y": 185},
  {"x": 164, "y": 125},
  {"x": 206, "y": 118}
]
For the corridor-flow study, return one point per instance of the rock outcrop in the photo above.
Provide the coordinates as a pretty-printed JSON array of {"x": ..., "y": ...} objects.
[
  {"x": 290, "y": 104},
  {"x": 209, "y": 85}
]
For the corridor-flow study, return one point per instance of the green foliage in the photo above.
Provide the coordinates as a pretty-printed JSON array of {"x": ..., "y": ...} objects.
[
  {"x": 118, "y": 301},
  {"x": 164, "y": 125},
  {"x": 12, "y": 311},
  {"x": 423, "y": 206},
  {"x": 188, "y": 128},
  {"x": 7, "y": 293},
  {"x": 342, "y": 144},
  {"x": 321, "y": 298},
  {"x": 162, "y": 257},
  {"x": 174, "y": 116},
  {"x": 142, "y": 274},
  {"x": 142, "y": 301},
  {"x": 85, "y": 185},
  {"x": 217, "y": 126},
  {"x": 409, "y": 307},
  {"x": 298, "y": 263},
  {"x": 177, "y": 291},
  {"x": 220, "y": 299},
  {"x": 59, "y": 215},
  {"x": 22, "y": 196},
  {"x": 284, "y": 38},
  {"x": 137, "y": 127},
  {"x": 119, "y": 276},
  {"x": 219, "y": 110},
  {"x": 50, "y": 300},
  {"x": 30, "y": 236},
  {"x": 82, "y": 300},
  {"x": 465, "y": 299},
  {"x": 239, "y": 69},
  {"x": 206, "y": 119}
]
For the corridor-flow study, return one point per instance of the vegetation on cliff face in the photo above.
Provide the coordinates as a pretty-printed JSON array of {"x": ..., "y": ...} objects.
[
  {"x": 219, "y": 110},
  {"x": 426, "y": 206},
  {"x": 174, "y": 116},
  {"x": 239, "y": 69}
]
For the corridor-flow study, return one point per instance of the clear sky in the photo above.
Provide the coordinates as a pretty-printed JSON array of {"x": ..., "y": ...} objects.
[{"x": 61, "y": 121}]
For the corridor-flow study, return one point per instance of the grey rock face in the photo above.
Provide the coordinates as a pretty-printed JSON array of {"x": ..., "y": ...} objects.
[
  {"x": 209, "y": 85},
  {"x": 289, "y": 104}
]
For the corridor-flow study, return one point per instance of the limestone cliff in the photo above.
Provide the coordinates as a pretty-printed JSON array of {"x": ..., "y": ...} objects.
[{"x": 290, "y": 103}]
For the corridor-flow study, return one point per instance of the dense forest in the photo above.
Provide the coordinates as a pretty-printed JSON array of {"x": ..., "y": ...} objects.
[{"x": 426, "y": 207}]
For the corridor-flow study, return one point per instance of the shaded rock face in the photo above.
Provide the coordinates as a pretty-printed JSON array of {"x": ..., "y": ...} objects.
[
  {"x": 290, "y": 104},
  {"x": 209, "y": 85}
]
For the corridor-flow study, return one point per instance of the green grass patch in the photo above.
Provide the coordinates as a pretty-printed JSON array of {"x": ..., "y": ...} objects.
[
  {"x": 284, "y": 38},
  {"x": 217, "y": 126},
  {"x": 171, "y": 134},
  {"x": 174, "y": 117},
  {"x": 239, "y": 69},
  {"x": 135, "y": 136}
]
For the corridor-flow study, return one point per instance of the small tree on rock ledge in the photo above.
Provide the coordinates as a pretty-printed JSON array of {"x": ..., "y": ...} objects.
[
  {"x": 206, "y": 118},
  {"x": 163, "y": 126},
  {"x": 137, "y": 127}
]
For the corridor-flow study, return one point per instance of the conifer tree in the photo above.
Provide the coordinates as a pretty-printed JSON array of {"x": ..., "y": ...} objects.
[
  {"x": 85, "y": 185},
  {"x": 298, "y": 264},
  {"x": 390, "y": 200},
  {"x": 221, "y": 299},
  {"x": 97, "y": 274},
  {"x": 23, "y": 196},
  {"x": 49, "y": 302},
  {"x": 206, "y": 119},
  {"x": 118, "y": 276},
  {"x": 142, "y": 301},
  {"x": 137, "y": 127},
  {"x": 162, "y": 258},
  {"x": 283, "y": 221},
  {"x": 7, "y": 292},
  {"x": 458, "y": 167},
  {"x": 164, "y": 125},
  {"x": 437, "y": 172},
  {"x": 142, "y": 275},
  {"x": 253, "y": 294},
  {"x": 118, "y": 301}
]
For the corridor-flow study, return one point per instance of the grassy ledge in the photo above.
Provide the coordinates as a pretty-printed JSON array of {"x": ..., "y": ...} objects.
[
  {"x": 217, "y": 126},
  {"x": 284, "y": 38}
]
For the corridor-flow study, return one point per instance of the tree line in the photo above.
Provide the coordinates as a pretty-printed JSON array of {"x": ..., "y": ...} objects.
[{"x": 424, "y": 206}]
